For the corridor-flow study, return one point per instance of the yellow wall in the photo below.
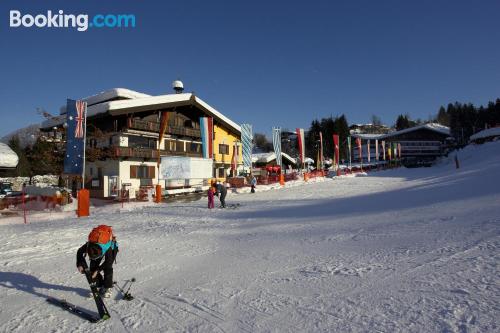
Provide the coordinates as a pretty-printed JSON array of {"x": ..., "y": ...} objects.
[{"x": 223, "y": 136}]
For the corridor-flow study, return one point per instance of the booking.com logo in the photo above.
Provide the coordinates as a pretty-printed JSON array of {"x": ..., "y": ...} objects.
[{"x": 61, "y": 20}]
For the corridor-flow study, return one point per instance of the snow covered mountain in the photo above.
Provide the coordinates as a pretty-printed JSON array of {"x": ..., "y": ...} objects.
[{"x": 403, "y": 250}]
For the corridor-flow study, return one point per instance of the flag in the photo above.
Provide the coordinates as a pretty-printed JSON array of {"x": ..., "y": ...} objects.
[
  {"x": 394, "y": 150},
  {"x": 376, "y": 150},
  {"x": 336, "y": 146},
  {"x": 368, "y": 149},
  {"x": 358, "y": 144},
  {"x": 300, "y": 140},
  {"x": 320, "y": 150},
  {"x": 383, "y": 150},
  {"x": 389, "y": 151},
  {"x": 163, "y": 126},
  {"x": 234, "y": 161},
  {"x": 246, "y": 141},
  {"x": 277, "y": 145},
  {"x": 76, "y": 115},
  {"x": 399, "y": 150},
  {"x": 207, "y": 130},
  {"x": 349, "y": 149}
]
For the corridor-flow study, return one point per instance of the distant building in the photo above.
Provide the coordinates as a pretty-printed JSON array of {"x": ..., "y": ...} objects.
[
  {"x": 122, "y": 139},
  {"x": 490, "y": 134},
  {"x": 419, "y": 144}
]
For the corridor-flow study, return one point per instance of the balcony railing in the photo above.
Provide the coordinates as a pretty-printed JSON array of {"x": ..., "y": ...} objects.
[
  {"x": 152, "y": 126},
  {"x": 149, "y": 152}
]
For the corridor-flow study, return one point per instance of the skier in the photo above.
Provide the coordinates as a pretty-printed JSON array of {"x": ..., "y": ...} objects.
[
  {"x": 253, "y": 183},
  {"x": 211, "y": 192},
  {"x": 101, "y": 244},
  {"x": 221, "y": 193}
]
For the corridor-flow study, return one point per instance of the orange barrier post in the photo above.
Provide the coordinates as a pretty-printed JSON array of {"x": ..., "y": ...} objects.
[
  {"x": 306, "y": 176},
  {"x": 83, "y": 203},
  {"x": 282, "y": 180},
  {"x": 158, "y": 193}
]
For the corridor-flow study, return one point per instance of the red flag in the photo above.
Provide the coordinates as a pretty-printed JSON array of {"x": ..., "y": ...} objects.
[
  {"x": 163, "y": 126},
  {"x": 336, "y": 144},
  {"x": 358, "y": 143}
]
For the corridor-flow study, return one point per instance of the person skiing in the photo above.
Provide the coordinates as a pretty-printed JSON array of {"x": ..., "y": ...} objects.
[
  {"x": 253, "y": 183},
  {"x": 101, "y": 244},
  {"x": 211, "y": 192},
  {"x": 221, "y": 193}
]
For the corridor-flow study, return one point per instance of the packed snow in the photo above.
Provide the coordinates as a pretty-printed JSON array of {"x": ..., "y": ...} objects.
[{"x": 402, "y": 250}]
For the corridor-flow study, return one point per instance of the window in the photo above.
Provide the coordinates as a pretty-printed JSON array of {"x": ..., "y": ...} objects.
[
  {"x": 170, "y": 145},
  {"x": 223, "y": 149},
  {"x": 222, "y": 173},
  {"x": 142, "y": 171},
  {"x": 141, "y": 142},
  {"x": 194, "y": 147}
]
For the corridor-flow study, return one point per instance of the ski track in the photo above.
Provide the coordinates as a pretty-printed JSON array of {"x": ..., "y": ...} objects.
[{"x": 305, "y": 258}]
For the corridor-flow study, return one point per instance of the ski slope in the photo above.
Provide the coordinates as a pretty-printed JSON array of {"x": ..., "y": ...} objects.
[{"x": 405, "y": 250}]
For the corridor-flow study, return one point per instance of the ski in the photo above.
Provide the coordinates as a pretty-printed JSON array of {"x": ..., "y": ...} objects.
[
  {"x": 101, "y": 307},
  {"x": 62, "y": 303}
]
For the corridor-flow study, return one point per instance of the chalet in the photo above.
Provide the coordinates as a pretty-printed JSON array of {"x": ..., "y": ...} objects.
[
  {"x": 122, "y": 139},
  {"x": 419, "y": 144}
]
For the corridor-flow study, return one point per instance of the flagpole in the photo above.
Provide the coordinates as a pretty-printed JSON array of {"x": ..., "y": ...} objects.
[{"x": 84, "y": 144}]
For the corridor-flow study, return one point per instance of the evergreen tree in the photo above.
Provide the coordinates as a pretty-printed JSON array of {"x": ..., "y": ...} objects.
[{"x": 23, "y": 166}]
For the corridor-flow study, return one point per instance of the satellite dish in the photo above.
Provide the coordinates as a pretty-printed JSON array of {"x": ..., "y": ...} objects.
[{"x": 178, "y": 86}]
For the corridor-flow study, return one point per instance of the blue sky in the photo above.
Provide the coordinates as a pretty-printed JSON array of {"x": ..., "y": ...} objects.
[{"x": 268, "y": 63}]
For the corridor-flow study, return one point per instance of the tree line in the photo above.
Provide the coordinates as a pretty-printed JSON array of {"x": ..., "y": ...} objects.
[{"x": 39, "y": 158}]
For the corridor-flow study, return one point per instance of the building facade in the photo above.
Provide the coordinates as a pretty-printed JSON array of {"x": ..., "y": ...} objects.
[{"x": 123, "y": 148}]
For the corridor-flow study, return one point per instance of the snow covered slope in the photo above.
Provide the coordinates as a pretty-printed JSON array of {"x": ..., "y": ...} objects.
[{"x": 407, "y": 250}]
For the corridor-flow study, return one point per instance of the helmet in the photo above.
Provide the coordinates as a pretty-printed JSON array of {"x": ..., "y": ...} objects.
[{"x": 94, "y": 250}]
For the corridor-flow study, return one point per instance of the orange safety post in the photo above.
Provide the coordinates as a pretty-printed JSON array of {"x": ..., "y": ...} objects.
[
  {"x": 83, "y": 203},
  {"x": 282, "y": 179},
  {"x": 306, "y": 176},
  {"x": 158, "y": 193}
]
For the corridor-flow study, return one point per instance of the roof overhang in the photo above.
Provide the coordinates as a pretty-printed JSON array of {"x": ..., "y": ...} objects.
[{"x": 151, "y": 103}]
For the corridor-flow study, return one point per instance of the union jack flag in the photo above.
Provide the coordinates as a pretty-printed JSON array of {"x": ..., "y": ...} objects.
[{"x": 81, "y": 108}]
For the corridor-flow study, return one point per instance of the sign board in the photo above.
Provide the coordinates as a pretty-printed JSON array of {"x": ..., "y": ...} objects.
[{"x": 180, "y": 167}]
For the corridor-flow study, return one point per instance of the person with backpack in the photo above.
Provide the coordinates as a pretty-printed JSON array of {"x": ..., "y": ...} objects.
[
  {"x": 221, "y": 192},
  {"x": 101, "y": 248}
]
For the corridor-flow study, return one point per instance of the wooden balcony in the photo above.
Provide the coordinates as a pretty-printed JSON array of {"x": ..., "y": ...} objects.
[
  {"x": 148, "y": 153},
  {"x": 152, "y": 126}
]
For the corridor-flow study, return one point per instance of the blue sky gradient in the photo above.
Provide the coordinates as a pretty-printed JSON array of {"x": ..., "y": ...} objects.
[{"x": 268, "y": 63}]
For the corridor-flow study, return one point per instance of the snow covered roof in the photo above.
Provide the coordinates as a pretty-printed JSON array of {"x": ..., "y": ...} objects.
[
  {"x": 143, "y": 102},
  {"x": 268, "y": 157},
  {"x": 490, "y": 132},
  {"x": 112, "y": 94},
  {"x": 8, "y": 158},
  {"x": 366, "y": 136},
  {"x": 430, "y": 126}
]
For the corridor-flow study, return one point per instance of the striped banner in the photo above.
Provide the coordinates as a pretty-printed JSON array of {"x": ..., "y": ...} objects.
[
  {"x": 368, "y": 150},
  {"x": 277, "y": 145},
  {"x": 301, "y": 141},
  {"x": 247, "y": 145},
  {"x": 207, "y": 138},
  {"x": 383, "y": 150},
  {"x": 376, "y": 150}
]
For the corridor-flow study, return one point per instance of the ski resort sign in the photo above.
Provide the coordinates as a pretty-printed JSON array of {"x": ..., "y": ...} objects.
[{"x": 179, "y": 167}]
